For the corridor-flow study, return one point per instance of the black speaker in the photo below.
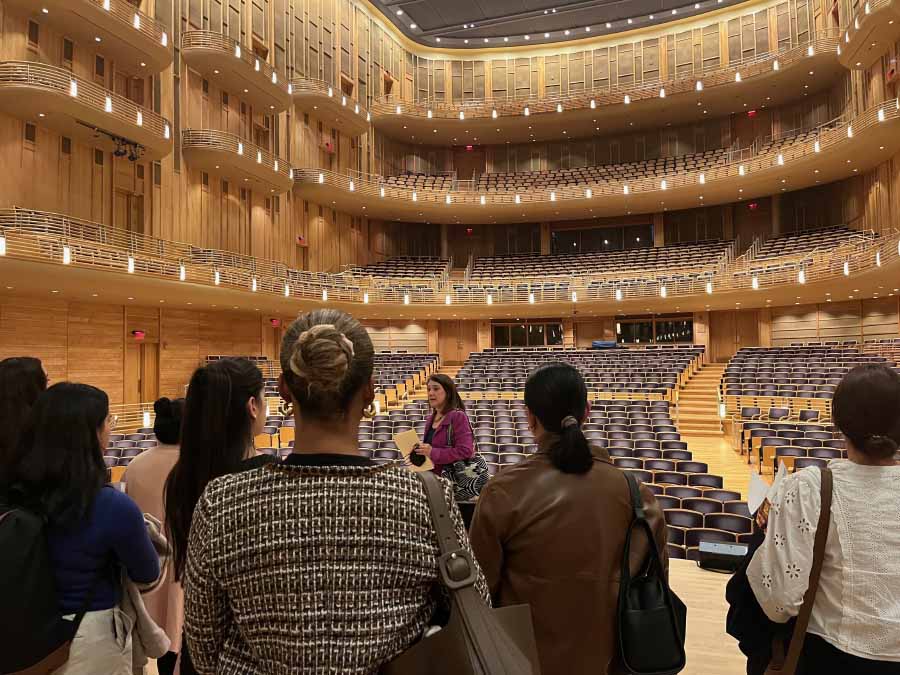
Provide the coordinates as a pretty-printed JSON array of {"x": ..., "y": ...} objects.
[{"x": 721, "y": 556}]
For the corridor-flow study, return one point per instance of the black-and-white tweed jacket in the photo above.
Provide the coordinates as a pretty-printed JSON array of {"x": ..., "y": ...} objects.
[{"x": 312, "y": 570}]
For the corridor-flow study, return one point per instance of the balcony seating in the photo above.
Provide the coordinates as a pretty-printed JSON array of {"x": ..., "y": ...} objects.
[
  {"x": 703, "y": 256},
  {"x": 411, "y": 266},
  {"x": 644, "y": 371},
  {"x": 421, "y": 181},
  {"x": 806, "y": 242}
]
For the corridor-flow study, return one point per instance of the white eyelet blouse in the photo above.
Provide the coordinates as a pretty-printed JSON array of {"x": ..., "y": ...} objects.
[{"x": 857, "y": 607}]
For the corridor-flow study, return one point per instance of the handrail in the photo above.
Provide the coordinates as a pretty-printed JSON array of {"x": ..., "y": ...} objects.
[
  {"x": 825, "y": 40},
  {"x": 467, "y": 194},
  {"x": 128, "y": 14},
  {"x": 315, "y": 86},
  {"x": 63, "y": 82},
  {"x": 42, "y": 236},
  {"x": 207, "y": 39},
  {"x": 228, "y": 142}
]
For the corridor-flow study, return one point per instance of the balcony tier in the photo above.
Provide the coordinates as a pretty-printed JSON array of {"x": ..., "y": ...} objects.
[
  {"x": 332, "y": 106},
  {"x": 236, "y": 69},
  {"x": 768, "y": 80},
  {"x": 873, "y": 31},
  {"x": 125, "y": 267},
  {"x": 52, "y": 97},
  {"x": 228, "y": 156},
  {"x": 825, "y": 154},
  {"x": 139, "y": 44}
]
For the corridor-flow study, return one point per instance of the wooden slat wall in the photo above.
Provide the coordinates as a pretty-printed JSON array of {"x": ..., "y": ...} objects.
[
  {"x": 85, "y": 342},
  {"x": 853, "y": 320},
  {"x": 410, "y": 336}
]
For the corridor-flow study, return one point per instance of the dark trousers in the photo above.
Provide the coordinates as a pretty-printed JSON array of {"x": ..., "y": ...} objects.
[
  {"x": 821, "y": 657},
  {"x": 166, "y": 664}
]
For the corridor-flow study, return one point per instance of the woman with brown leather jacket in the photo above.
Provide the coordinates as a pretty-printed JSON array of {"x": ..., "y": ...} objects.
[{"x": 550, "y": 531}]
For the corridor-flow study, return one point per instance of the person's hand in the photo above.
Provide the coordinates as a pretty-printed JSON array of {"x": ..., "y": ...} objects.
[{"x": 423, "y": 449}]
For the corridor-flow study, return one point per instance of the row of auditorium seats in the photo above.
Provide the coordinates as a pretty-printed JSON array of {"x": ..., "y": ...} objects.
[
  {"x": 624, "y": 370},
  {"x": 559, "y": 178},
  {"x": 405, "y": 266},
  {"x": 810, "y": 371},
  {"x": 645, "y": 259}
]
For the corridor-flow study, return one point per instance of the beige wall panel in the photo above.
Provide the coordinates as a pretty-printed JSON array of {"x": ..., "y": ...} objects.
[
  {"x": 179, "y": 350},
  {"x": 95, "y": 347}
]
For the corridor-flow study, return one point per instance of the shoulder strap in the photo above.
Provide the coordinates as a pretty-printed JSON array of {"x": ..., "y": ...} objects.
[
  {"x": 458, "y": 573},
  {"x": 809, "y": 598}
]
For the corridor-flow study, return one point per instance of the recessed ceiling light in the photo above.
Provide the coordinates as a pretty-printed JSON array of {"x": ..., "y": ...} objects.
[
  {"x": 399, "y": 12},
  {"x": 97, "y": 39},
  {"x": 413, "y": 26},
  {"x": 143, "y": 65}
]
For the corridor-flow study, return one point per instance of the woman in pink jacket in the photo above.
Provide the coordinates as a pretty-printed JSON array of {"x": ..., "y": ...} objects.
[{"x": 448, "y": 434}]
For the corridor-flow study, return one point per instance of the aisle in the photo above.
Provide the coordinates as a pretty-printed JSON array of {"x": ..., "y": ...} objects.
[{"x": 722, "y": 460}]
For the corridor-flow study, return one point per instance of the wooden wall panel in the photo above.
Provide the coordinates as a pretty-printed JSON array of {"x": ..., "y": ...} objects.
[
  {"x": 95, "y": 347},
  {"x": 39, "y": 328},
  {"x": 179, "y": 350},
  {"x": 410, "y": 336},
  {"x": 853, "y": 320},
  {"x": 881, "y": 318}
]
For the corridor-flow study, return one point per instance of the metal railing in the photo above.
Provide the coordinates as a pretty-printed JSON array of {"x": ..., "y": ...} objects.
[
  {"x": 681, "y": 81},
  {"x": 228, "y": 142},
  {"x": 206, "y": 39},
  {"x": 126, "y": 12},
  {"x": 44, "y": 237},
  {"x": 64, "y": 83},
  {"x": 314, "y": 86}
]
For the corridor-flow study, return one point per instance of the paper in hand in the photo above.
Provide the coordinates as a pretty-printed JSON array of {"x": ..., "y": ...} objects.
[
  {"x": 756, "y": 493},
  {"x": 406, "y": 442}
]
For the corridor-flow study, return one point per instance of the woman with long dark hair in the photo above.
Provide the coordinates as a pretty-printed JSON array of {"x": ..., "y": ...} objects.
[
  {"x": 93, "y": 530},
  {"x": 22, "y": 380},
  {"x": 550, "y": 531},
  {"x": 448, "y": 433},
  {"x": 855, "y": 625},
  {"x": 144, "y": 482},
  {"x": 326, "y": 562},
  {"x": 223, "y": 412}
]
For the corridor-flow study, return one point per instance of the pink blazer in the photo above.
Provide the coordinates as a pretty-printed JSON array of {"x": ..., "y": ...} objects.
[{"x": 442, "y": 453}]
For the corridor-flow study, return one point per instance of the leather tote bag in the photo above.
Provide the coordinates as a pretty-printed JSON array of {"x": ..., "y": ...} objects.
[
  {"x": 478, "y": 640},
  {"x": 652, "y": 618}
]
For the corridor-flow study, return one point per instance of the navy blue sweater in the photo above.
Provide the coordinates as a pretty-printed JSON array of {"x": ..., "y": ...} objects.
[{"x": 114, "y": 531}]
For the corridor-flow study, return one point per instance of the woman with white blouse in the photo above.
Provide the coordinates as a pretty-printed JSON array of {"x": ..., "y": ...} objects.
[{"x": 855, "y": 622}]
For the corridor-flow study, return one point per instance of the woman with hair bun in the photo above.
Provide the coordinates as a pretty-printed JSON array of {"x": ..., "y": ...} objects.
[
  {"x": 326, "y": 562},
  {"x": 144, "y": 481},
  {"x": 550, "y": 531},
  {"x": 855, "y": 621}
]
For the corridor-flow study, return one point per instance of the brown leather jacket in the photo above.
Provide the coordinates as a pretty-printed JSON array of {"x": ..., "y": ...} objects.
[{"x": 555, "y": 541}]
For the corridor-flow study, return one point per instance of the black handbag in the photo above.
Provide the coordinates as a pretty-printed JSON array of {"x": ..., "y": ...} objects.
[{"x": 652, "y": 619}]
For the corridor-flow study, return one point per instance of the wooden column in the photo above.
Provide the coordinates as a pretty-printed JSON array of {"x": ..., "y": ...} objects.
[
  {"x": 545, "y": 238},
  {"x": 659, "y": 231}
]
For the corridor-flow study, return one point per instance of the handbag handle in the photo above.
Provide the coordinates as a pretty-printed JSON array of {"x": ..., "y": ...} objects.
[
  {"x": 799, "y": 637},
  {"x": 458, "y": 573}
]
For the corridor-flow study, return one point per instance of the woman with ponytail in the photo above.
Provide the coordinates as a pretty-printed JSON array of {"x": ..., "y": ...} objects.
[
  {"x": 550, "y": 531},
  {"x": 855, "y": 623},
  {"x": 223, "y": 412}
]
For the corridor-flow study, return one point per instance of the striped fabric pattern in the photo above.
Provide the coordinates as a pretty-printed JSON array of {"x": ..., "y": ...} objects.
[{"x": 312, "y": 569}]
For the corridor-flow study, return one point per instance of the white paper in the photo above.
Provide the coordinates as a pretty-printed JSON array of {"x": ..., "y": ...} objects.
[
  {"x": 780, "y": 476},
  {"x": 757, "y": 492}
]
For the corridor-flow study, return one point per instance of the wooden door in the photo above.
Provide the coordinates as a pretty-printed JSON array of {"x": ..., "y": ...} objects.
[
  {"x": 468, "y": 163},
  {"x": 730, "y": 331},
  {"x": 746, "y": 326},
  {"x": 456, "y": 340},
  {"x": 133, "y": 373}
]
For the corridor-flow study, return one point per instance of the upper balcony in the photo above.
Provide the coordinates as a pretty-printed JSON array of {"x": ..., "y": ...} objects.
[
  {"x": 773, "y": 79},
  {"x": 53, "y": 97},
  {"x": 223, "y": 154},
  {"x": 321, "y": 100},
  {"x": 873, "y": 31},
  {"x": 236, "y": 69},
  {"x": 822, "y": 154},
  {"x": 138, "y": 43}
]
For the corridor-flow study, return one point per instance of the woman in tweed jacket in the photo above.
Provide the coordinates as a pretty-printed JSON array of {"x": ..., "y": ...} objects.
[{"x": 324, "y": 563}]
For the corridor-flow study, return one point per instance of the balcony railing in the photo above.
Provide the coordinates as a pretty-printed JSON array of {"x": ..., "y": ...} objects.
[
  {"x": 49, "y": 237},
  {"x": 61, "y": 81},
  {"x": 133, "y": 18},
  {"x": 301, "y": 85},
  {"x": 222, "y": 141},
  {"x": 677, "y": 83},
  {"x": 214, "y": 41}
]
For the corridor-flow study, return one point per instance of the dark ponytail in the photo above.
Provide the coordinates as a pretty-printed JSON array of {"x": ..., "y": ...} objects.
[
  {"x": 216, "y": 433},
  {"x": 866, "y": 408},
  {"x": 557, "y": 395}
]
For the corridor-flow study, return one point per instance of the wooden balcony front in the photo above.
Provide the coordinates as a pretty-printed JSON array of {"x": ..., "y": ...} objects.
[
  {"x": 230, "y": 157},
  {"x": 331, "y": 105},
  {"x": 872, "y": 32}
]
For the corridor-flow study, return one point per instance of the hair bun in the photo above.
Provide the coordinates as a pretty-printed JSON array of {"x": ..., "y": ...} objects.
[
  {"x": 322, "y": 356},
  {"x": 163, "y": 407},
  {"x": 880, "y": 445}
]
